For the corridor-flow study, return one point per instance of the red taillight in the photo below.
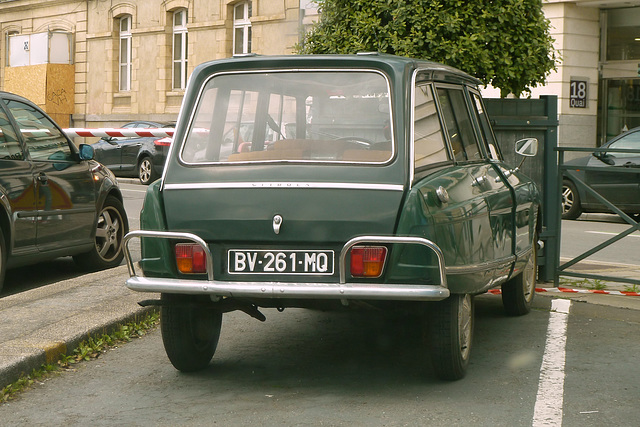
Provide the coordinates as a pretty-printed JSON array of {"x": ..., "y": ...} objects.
[
  {"x": 367, "y": 261},
  {"x": 190, "y": 258},
  {"x": 163, "y": 142}
]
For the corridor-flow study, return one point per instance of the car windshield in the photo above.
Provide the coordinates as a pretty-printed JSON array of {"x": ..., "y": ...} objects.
[
  {"x": 314, "y": 116},
  {"x": 629, "y": 141}
]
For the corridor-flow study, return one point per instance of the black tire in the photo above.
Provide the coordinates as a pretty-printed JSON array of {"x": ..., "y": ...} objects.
[
  {"x": 190, "y": 334},
  {"x": 571, "y": 208},
  {"x": 111, "y": 227},
  {"x": 3, "y": 259},
  {"x": 146, "y": 171},
  {"x": 518, "y": 292},
  {"x": 450, "y": 336}
]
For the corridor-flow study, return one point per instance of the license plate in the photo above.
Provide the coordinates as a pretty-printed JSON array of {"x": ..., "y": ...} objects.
[{"x": 244, "y": 261}]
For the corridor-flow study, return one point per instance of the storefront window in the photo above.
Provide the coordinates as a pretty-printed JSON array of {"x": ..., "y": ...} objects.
[
  {"x": 623, "y": 34},
  {"x": 623, "y": 106}
]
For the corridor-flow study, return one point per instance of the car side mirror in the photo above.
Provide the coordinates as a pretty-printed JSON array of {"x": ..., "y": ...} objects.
[
  {"x": 527, "y": 147},
  {"x": 86, "y": 152}
]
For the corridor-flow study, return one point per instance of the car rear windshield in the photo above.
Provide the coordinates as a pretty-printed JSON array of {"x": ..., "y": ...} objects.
[{"x": 292, "y": 116}]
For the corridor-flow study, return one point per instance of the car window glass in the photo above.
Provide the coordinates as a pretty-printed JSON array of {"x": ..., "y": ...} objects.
[
  {"x": 428, "y": 142},
  {"x": 9, "y": 146},
  {"x": 485, "y": 128},
  {"x": 629, "y": 141},
  {"x": 43, "y": 140},
  {"x": 298, "y": 116},
  {"x": 458, "y": 124}
]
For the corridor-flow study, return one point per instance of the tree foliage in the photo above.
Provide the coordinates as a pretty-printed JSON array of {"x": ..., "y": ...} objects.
[{"x": 505, "y": 43}]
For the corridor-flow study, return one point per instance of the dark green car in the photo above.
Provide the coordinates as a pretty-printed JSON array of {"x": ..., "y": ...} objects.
[{"x": 367, "y": 180}]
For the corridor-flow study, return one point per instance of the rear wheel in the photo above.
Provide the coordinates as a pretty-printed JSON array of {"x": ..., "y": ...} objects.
[
  {"x": 190, "y": 333},
  {"x": 145, "y": 171},
  {"x": 570, "y": 200},
  {"x": 450, "y": 336},
  {"x": 111, "y": 228},
  {"x": 518, "y": 293}
]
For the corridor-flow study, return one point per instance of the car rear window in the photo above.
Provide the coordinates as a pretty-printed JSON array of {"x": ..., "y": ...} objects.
[{"x": 292, "y": 116}]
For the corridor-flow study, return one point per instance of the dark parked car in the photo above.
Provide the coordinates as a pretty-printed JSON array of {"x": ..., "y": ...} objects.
[
  {"x": 615, "y": 176},
  {"x": 143, "y": 157},
  {"x": 367, "y": 182},
  {"x": 54, "y": 199}
]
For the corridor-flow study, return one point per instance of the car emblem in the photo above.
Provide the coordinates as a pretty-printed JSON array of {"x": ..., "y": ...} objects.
[{"x": 277, "y": 223}]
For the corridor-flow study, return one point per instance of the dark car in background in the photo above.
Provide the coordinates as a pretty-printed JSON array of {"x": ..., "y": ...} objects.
[
  {"x": 615, "y": 176},
  {"x": 54, "y": 199},
  {"x": 141, "y": 157}
]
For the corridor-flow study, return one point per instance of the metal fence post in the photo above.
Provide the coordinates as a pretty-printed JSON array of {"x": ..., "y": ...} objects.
[{"x": 551, "y": 194}]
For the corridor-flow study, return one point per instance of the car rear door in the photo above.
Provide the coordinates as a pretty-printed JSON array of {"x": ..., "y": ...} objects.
[
  {"x": 130, "y": 147},
  {"x": 491, "y": 202}
]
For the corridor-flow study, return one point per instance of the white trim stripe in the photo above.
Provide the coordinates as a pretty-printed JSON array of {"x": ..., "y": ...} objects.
[{"x": 279, "y": 185}]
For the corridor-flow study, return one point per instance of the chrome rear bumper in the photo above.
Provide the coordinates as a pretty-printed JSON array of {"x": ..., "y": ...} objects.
[{"x": 302, "y": 290}]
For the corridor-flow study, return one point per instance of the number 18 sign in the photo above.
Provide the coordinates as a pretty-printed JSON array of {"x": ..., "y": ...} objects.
[{"x": 578, "y": 97}]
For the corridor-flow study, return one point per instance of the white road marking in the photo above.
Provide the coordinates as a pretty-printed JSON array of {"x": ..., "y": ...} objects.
[
  {"x": 611, "y": 234},
  {"x": 132, "y": 190},
  {"x": 549, "y": 401}
]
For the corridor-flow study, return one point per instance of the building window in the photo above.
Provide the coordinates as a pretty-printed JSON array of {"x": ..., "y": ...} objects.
[
  {"x": 242, "y": 28},
  {"x": 125, "y": 53},
  {"x": 180, "y": 49}
]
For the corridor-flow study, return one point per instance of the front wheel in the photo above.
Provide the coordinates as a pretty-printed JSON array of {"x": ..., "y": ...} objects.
[
  {"x": 571, "y": 208},
  {"x": 190, "y": 332},
  {"x": 107, "y": 251},
  {"x": 518, "y": 293},
  {"x": 450, "y": 336}
]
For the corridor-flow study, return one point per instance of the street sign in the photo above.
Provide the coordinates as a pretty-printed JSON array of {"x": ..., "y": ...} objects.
[{"x": 578, "y": 97}]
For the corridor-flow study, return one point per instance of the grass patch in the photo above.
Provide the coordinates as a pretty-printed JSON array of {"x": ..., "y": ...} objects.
[
  {"x": 89, "y": 349},
  {"x": 595, "y": 284}
]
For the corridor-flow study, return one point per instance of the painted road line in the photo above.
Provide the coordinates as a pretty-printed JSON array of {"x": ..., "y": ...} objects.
[
  {"x": 611, "y": 234},
  {"x": 549, "y": 401}
]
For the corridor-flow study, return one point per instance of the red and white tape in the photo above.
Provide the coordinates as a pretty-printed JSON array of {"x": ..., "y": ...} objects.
[
  {"x": 577, "y": 291},
  {"x": 120, "y": 132}
]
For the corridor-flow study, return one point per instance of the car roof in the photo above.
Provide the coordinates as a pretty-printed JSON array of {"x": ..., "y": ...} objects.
[{"x": 386, "y": 62}]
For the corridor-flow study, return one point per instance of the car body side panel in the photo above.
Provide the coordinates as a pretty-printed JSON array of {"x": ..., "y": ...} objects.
[
  {"x": 156, "y": 254},
  {"x": 19, "y": 197},
  {"x": 66, "y": 204},
  {"x": 464, "y": 227}
]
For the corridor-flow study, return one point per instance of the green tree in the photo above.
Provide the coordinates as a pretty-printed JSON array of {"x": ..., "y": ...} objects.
[{"x": 505, "y": 43}]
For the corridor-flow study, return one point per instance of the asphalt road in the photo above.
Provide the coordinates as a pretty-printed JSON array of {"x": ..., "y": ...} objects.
[
  {"x": 305, "y": 367},
  {"x": 591, "y": 230}
]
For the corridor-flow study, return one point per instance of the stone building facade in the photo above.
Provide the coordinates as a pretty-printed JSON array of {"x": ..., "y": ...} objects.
[{"x": 131, "y": 59}]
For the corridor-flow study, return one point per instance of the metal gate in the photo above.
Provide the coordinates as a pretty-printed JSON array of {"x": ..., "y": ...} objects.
[{"x": 514, "y": 119}]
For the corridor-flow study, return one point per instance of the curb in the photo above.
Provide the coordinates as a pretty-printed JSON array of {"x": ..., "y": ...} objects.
[
  {"x": 42, "y": 324},
  {"x": 49, "y": 352},
  {"x": 576, "y": 291}
]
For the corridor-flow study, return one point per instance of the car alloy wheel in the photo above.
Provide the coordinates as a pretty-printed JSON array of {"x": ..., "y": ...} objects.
[
  {"x": 109, "y": 234},
  {"x": 145, "y": 170}
]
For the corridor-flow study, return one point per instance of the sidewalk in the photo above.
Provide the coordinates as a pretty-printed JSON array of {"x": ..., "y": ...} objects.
[{"x": 41, "y": 324}]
